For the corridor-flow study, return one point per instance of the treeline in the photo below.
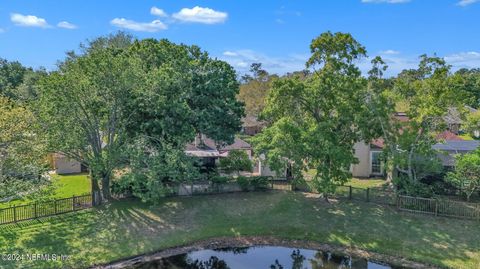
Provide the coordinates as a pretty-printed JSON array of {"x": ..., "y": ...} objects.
[{"x": 125, "y": 108}]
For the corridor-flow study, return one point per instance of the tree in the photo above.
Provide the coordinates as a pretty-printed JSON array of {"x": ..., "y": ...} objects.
[
  {"x": 82, "y": 110},
  {"x": 473, "y": 124},
  {"x": 187, "y": 93},
  {"x": 254, "y": 89},
  {"x": 315, "y": 121},
  {"x": 11, "y": 76},
  {"x": 466, "y": 83},
  {"x": 135, "y": 107},
  {"x": 426, "y": 95},
  {"x": 236, "y": 161},
  {"x": 22, "y": 155},
  {"x": 467, "y": 173}
]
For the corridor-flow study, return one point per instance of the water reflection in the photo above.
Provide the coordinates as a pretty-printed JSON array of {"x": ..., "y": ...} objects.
[{"x": 262, "y": 257}]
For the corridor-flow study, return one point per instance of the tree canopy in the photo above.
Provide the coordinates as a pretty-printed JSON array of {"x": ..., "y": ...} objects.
[
  {"x": 316, "y": 121},
  {"x": 115, "y": 100}
]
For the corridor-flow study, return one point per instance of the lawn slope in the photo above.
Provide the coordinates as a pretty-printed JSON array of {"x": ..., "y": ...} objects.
[{"x": 126, "y": 228}]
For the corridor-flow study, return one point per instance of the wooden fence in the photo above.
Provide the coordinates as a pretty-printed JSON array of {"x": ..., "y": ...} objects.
[{"x": 44, "y": 209}]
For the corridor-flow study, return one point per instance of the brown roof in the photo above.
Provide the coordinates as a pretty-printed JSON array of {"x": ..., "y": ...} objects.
[
  {"x": 379, "y": 143},
  {"x": 252, "y": 121},
  {"x": 447, "y": 135}
]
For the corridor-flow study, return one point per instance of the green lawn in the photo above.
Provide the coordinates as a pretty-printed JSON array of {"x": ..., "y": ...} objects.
[
  {"x": 466, "y": 137},
  {"x": 366, "y": 183},
  {"x": 63, "y": 186},
  {"x": 127, "y": 228}
]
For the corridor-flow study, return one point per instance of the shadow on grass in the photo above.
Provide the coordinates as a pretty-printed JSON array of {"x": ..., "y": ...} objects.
[{"x": 126, "y": 228}]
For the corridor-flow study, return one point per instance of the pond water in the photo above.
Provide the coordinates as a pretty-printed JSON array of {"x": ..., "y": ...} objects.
[{"x": 262, "y": 258}]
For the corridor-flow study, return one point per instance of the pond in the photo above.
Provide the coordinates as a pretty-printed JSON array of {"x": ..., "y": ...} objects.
[{"x": 263, "y": 258}]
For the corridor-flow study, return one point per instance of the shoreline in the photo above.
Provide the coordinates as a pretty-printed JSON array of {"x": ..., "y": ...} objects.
[{"x": 250, "y": 241}]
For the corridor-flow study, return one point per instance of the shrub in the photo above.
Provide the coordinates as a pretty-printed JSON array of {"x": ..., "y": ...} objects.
[
  {"x": 219, "y": 179},
  {"x": 244, "y": 183},
  {"x": 467, "y": 173},
  {"x": 259, "y": 182},
  {"x": 407, "y": 187},
  {"x": 236, "y": 161}
]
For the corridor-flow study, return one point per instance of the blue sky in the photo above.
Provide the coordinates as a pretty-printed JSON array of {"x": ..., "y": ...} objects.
[{"x": 276, "y": 33}]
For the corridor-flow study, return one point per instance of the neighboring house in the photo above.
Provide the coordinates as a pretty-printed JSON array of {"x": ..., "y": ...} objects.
[
  {"x": 252, "y": 126},
  {"x": 210, "y": 152},
  {"x": 64, "y": 165},
  {"x": 453, "y": 118},
  {"x": 369, "y": 157},
  {"x": 448, "y": 135},
  {"x": 371, "y": 164},
  {"x": 449, "y": 148}
]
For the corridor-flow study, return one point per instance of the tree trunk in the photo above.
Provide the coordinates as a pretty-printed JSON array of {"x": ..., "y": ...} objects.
[
  {"x": 96, "y": 196},
  {"x": 106, "y": 187}
]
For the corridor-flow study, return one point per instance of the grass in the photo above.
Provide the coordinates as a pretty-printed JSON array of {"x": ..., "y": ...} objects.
[
  {"x": 126, "y": 228},
  {"x": 62, "y": 186},
  {"x": 466, "y": 137},
  {"x": 365, "y": 183}
]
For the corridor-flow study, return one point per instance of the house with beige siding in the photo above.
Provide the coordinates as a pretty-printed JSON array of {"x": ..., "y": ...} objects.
[{"x": 369, "y": 157}]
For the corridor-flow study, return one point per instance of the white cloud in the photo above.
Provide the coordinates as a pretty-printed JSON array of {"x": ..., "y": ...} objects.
[
  {"x": 468, "y": 59},
  {"x": 242, "y": 59},
  {"x": 230, "y": 53},
  {"x": 158, "y": 12},
  {"x": 66, "y": 25},
  {"x": 153, "y": 26},
  {"x": 464, "y": 3},
  {"x": 389, "y": 52},
  {"x": 200, "y": 15},
  {"x": 28, "y": 20},
  {"x": 387, "y": 1}
]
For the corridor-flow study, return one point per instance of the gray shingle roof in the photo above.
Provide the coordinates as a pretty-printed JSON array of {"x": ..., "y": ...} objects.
[{"x": 457, "y": 145}]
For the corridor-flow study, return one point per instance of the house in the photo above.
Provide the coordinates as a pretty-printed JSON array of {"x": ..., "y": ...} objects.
[
  {"x": 369, "y": 157},
  {"x": 449, "y": 148},
  {"x": 64, "y": 165},
  {"x": 210, "y": 152},
  {"x": 453, "y": 118},
  {"x": 252, "y": 126},
  {"x": 369, "y": 154}
]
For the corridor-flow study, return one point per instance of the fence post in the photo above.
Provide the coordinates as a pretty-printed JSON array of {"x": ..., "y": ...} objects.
[
  {"x": 73, "y": 202},
  {"x": 368, "y": 194},
  {"x": 35, "y": 210},
  {"x": 350, "y": 192},
  {"x": 14, "y": 213},
  {"x": 55, "y": 203},
  {"x": 436, "y": 207}
]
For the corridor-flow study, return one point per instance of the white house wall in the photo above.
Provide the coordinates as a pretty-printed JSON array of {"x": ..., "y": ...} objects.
[{"x": 362, "y": 153}]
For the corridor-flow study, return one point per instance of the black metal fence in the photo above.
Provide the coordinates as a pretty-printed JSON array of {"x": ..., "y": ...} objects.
[
  {"x": 44, "y": 209},
  {"x": 434, "y": 206}
]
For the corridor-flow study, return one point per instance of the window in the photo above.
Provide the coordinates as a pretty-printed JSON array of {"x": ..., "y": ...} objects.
[{"x": 376, "y": 162}]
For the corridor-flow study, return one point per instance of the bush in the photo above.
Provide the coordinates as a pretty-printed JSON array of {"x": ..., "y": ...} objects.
[
  {"x": 259, "y": 182},
  {"x": 219, "y": 179},
  {"x": 244, "y": 183},
  {"x": 236, "y": 161},
  {"x": 418, "y": 189}
]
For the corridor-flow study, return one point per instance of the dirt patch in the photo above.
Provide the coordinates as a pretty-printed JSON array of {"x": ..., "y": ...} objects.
[{"x": 248, "y": 241}]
